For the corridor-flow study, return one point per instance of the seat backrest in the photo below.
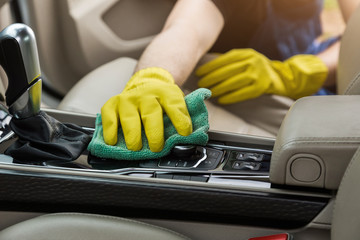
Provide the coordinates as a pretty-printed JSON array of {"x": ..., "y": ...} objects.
[
  {"x": 348, "y": 71},
  {"x": 346, "y": 221}
]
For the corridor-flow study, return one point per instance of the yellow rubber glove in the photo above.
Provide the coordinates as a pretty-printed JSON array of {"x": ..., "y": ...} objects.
[
  {"x": 146, "y": 95},
  {"x": 243, "y": 74}
]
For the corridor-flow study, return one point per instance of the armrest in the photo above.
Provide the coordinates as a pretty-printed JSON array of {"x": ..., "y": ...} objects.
[{"x": 316, "y": 141}]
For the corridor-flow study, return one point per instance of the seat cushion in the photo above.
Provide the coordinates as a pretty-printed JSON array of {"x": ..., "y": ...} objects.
[
  {"x": 345, "y": 223},
  {"x": 66, "y": 226},
  {"x": 92, "y": 91}
]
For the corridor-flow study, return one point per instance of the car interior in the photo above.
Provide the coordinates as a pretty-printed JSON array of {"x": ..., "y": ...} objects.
[{"x": 299, "y": 184}]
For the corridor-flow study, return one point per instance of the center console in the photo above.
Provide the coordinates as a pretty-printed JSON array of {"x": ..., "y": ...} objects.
[
  {"x": 219, "y": 161},
  {"x": 225, "y": 181}
]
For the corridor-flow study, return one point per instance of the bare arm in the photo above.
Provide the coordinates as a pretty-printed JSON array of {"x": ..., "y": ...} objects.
[{"x": 190, "y": 30}]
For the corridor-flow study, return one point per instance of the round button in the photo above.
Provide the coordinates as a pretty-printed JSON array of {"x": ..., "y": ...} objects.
[{"x": 305, "y": 169}]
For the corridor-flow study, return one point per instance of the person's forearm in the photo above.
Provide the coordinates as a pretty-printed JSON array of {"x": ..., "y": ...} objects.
[
  {"x": 190, "y": 30},
  {"x": 175, "y": 50}
]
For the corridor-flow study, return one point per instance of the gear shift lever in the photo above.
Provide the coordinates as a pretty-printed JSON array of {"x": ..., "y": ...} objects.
[
  {"x": 40, "y": 137},
  {"x": 19, "y": 58}
]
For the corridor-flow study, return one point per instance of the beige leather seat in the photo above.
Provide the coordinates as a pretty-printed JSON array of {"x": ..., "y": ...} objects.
[
  {"x": 76, "y": 226},
  {"x": 346, "y": 222},
  {"x": 261, "y": 117}
]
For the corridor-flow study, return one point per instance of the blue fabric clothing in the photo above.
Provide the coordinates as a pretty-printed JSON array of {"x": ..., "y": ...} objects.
[
  {"x": 280, "y": 37},
  {"x": 317, "y": 47},
  {"x": 277, "y": 28}
]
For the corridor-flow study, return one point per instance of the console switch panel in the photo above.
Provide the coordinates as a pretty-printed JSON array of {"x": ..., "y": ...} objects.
[{"x": 203, "y": 158}]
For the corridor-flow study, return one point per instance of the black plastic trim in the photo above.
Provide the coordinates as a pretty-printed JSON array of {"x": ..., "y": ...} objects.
[
  {"x": 15, "y": 9},
  {"x": 28, "y": 191}
]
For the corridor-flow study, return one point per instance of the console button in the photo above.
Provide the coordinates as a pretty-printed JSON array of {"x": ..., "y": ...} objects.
[
  {"x": 212, "y": 161},
  {"x": 167, "y": 162},
  {"x": 250, "y": 156},
  {"x": 240, "y": 156},
  {"x": 212, "y": 153},
  {"x": 242, "y": 165},
  {"x": 208, "y": 164},
  {"x": 204, "y": 158},
  {"x": 185, "y": 163},
  {"x": 255, "y": 156}
]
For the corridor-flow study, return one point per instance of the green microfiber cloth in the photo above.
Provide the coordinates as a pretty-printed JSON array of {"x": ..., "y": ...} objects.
[{"x": 199, "y": 116}]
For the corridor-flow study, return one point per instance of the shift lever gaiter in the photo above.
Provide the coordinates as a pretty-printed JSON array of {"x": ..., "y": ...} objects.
[{"x": 43, "y": 138}]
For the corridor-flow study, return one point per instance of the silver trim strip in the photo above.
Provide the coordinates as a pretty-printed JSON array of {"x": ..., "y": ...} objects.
[{"x": 226, "y": 147}]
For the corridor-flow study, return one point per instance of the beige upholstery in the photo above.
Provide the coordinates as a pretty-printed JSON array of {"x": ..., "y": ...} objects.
[
  {"x": 92, "y": 91},
  {"x": 77, "y": 226},
  {"x": 316, "y": 141},
  {"x": 346, "y": 223},
  {"x": 348, "y": 71}
]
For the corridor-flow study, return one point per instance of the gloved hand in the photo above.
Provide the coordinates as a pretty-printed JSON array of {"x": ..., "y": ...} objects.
[
  {"x": 243, "y": 74},
  {"x": 146, "y": 95}
]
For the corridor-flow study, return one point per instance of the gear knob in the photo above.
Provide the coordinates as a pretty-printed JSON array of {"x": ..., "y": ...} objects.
[{"x": 19, "y": 58}]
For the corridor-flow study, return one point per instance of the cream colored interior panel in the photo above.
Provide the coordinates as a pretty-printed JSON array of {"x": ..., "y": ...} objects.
[
  {"x": 98, "y": 41},
  {"x": 136, "y": 19},
  {"x": 117, "y": 27},
  {"x": 349, "y": 69},
  {"x": 108, "y": 29},
  {"x": 76, "y": 36}
]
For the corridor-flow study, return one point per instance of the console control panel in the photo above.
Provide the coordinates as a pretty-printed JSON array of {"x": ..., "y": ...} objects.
[
  {"x": 196, "y": 158},
  {"x": 199, "y": 158},
  {"x": 248, "y": 161}
]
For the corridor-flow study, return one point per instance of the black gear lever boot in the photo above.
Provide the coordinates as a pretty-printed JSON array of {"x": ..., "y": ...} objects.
[{"x": 43, "y": 138}]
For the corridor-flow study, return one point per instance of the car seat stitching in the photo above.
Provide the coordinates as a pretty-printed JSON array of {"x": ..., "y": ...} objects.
[{"x": 353, "y": 82}]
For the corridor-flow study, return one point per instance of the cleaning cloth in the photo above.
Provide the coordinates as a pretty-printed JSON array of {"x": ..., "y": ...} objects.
[{"x": 199, "y": 116}]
